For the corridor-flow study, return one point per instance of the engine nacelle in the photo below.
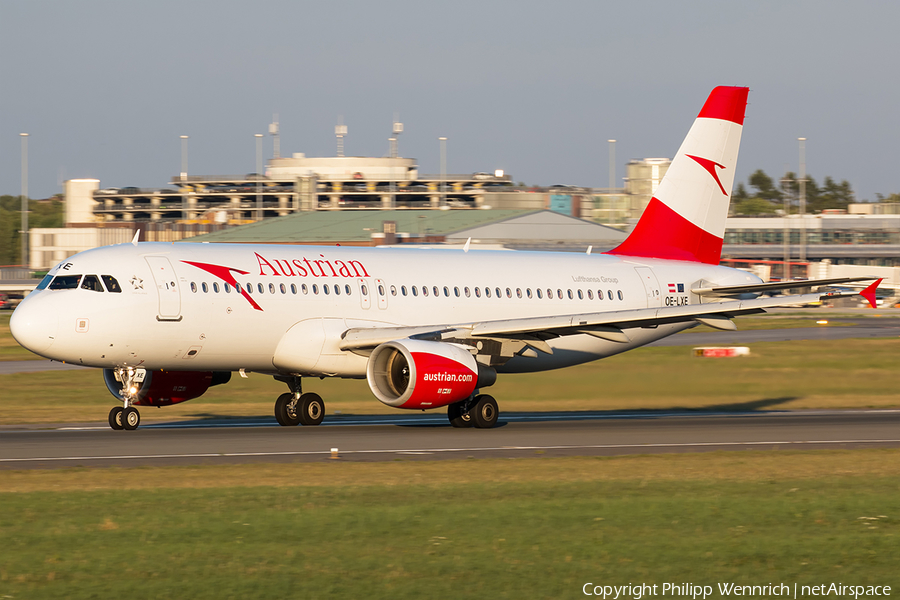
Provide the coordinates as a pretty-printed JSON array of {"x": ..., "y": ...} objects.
[
  {"x": 162, "y": 388},
  {"x": 418, "y": 374}
]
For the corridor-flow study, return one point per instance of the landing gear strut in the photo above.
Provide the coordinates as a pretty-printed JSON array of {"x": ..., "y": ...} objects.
[
  {"x": 127, "y": 417},
  {"x": 296, "y": 408},
  {"x": 479, "y": 411}
]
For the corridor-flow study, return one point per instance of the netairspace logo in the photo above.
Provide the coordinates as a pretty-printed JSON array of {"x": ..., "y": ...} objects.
[{"x": 695, "y": 592}]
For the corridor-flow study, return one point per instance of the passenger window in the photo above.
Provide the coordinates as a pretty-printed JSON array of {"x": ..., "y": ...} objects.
[
  {"x": 539, "y": 293},
  {"x": 294, "y": 289},
  {"x": 393, "y": 290},
  {"x": 599, "y": 294},
  {"x": 364, "y": 288},
  {"x": 446, "y": 291},
  {"x": 271, "y": 288},
  {"x": 549, "y": 294},
  {"x": 347, "y": 290},
  {"x": 111, "y": 284},
  {"x": 528, "y": 293},
  {"x": 216, "y": 287},
  {"x": 559, "y": 293},
  {"x": 508, "y": 293},
  {"x": 424, "y": 290},
  {"x": 205, "y": 287},
  {"x": 499, "y": 295},
  {"x": 621, "y": 295},
  {"x": 44, "y": 282},
  {"x": 380, "y": 289},
  {"x": 487, "y": 292},
  {"x": 65, "y": 282},
  {"x": 227, "y": 288},
  {"x": 249, "y": 288},
  {"x": 325, "y": 289},
  {"x": 519, "y": 293},
  {"x": 590, "y": 295},
  {"x": 415, "y": 290},
  {"x": 570, "y": 295},
  {"x": 403, "y": 289},
  {"x": 478, "y": 292},
  {"x": 580, "y": 295},
  {"x": 456, "y": 291},
  {"x": 261, "y": 289},
  {"x": 304, "y": 289},
  {"x": 91, "y": 282},
  {"x": 609, "y": 294},
  {"x": 466, "y": 290},
  {"x": 193, "y": 287},
  {"x": 283, "y": 289},
  {"x": 315, "y": 289}
]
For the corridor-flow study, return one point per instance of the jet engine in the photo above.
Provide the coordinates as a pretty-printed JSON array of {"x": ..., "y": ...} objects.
[
  {"x": 162, "y": 388},
  {"x": 419, "y": 374}
]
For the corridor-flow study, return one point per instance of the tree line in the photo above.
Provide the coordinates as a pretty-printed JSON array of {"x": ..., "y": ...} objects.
[
  {"x": 766, "y": 196},
  {"x": 41, "y": 213}
]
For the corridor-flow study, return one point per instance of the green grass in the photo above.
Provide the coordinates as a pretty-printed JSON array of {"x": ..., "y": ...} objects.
[
  {"x": 779, "y": 375},
  {"x": 470, "y": 534}
]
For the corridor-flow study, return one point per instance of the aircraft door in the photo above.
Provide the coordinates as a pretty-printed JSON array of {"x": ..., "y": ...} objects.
[
  {"x": 651, "y": 286},
  {"x": 381, "y": 293},
  {"x": 364, "y": 298},
  {"x": 166, "y": 287}
]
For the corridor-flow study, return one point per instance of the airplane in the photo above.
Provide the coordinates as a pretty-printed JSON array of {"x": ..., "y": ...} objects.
[{"x": 427, "y": 327}]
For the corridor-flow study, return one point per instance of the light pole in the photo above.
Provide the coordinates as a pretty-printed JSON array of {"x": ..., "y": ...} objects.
[
  {"x": 802, "y": 199},
  {"x": 612, "y": 164},
  {"x": 184, "y": 169},
  {"x": 259, "y": 207},
  {"x": 443, "y": 141},
  {"x": 25, "y": 262}
]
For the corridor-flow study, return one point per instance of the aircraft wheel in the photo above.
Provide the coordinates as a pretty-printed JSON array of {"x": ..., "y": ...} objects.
[
  {"x": 485, "y": 412},
  {"x": 311, "y": 409},
  {"x": 286, "y": 410},
  {"x": 115, "y": 418},
  {"x": 131, "y": 418},
  {"x": 459, "y": 416}
]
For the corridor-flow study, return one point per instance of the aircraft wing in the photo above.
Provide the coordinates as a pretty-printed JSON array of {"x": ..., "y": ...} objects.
[
  {"x": 758, "y": 288},
  {"x": 610, "y": 325}
]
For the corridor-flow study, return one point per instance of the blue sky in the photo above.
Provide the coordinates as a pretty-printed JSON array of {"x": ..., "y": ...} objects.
[{"x": 105, "y": 88}]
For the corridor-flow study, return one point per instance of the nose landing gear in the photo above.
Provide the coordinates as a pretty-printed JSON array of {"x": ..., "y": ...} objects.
[{"x": 127, "y": 417}]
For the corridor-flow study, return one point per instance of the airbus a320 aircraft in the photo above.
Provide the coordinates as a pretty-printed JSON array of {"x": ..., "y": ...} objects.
[{"x": 427, "y": 328}]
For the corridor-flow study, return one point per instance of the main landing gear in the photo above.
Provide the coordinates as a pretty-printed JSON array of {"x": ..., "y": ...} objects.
[
  {"x": 296, "y": 408},
  {"x": 127, "y": 417},
  {"x": 479, "y": 411}
]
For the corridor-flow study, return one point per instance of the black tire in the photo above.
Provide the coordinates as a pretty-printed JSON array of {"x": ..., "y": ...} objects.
[
  {"x": 115, "y": 418},
  {"x": 311, "y": 409},
  {"x": 485, "y": 412},
  {"x": 459, "y": 416},
  {"x": 285, "y": 414},
  {"x": 131, "y": 418}
]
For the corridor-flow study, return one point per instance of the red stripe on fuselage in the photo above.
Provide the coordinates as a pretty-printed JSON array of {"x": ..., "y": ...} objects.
[
  {"x": 663, "y": 233},
  {"x": 727, "y": 103}
]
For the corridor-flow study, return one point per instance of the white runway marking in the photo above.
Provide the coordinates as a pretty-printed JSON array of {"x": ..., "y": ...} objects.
[{"x": 449, "y": 450}]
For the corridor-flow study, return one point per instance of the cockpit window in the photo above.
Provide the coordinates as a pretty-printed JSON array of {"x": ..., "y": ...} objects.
[
  {"x": 111, "y": 284},
  {"x": 44, "y": 282},
  {"x": 91, "y": 282},
  {"x": 65, "y": 282}
]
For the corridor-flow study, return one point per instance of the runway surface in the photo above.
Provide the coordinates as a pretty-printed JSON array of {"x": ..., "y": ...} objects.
[{"x": 429, "y": 437}]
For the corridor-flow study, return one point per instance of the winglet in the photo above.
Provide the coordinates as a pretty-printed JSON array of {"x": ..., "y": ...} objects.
[
  {"x": 466, "y": 247},
  {"x": 137, "y": 234},
  {"x": 869, "y": 292}
]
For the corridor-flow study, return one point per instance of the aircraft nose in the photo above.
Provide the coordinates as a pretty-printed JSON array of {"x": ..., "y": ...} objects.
[{"x": 34, "y": 329}]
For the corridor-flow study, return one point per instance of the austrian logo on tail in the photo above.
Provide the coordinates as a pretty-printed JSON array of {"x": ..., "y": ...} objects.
[
  {"x": 224, "y": 273},
  {"x": 710, "y": 166}
]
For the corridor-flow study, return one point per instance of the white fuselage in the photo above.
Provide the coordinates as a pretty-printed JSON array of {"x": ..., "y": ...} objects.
[{"x": 172, "y": 315}]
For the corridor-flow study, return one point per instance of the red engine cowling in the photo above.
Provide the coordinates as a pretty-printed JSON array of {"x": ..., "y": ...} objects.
[
  {"x": 419, "y": 374},
  {"x": 162, "y": 388}
]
